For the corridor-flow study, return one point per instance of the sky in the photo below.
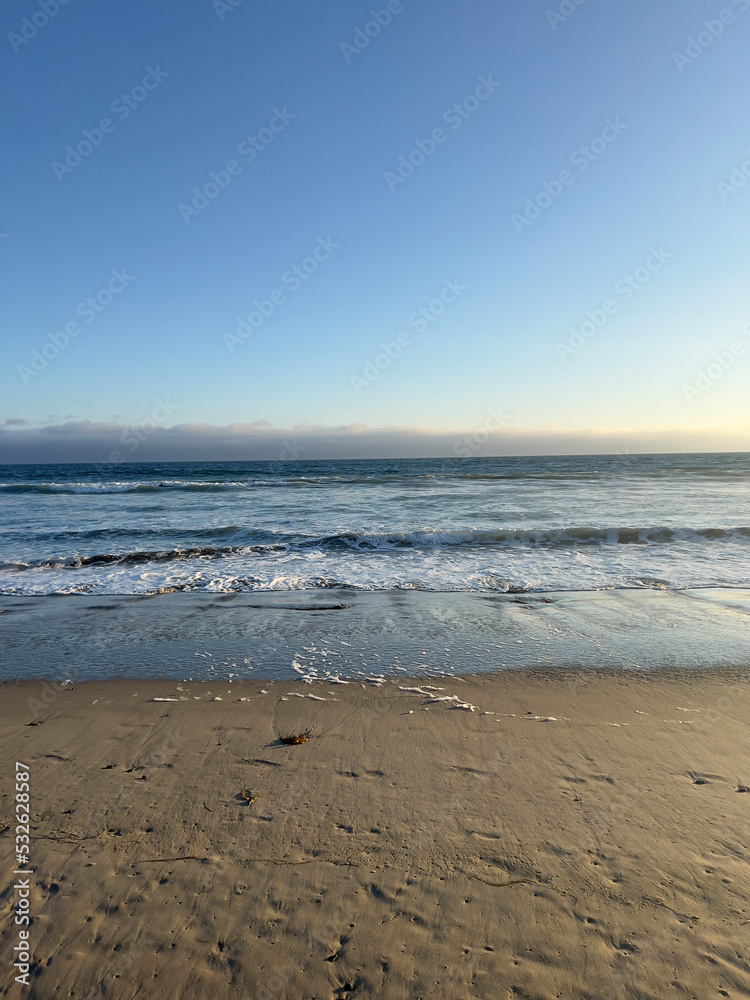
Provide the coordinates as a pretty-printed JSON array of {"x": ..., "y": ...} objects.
[{"x": 389, "y": 226}]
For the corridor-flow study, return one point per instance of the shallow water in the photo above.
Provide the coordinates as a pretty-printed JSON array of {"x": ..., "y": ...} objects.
[{"x": 350, "y": 635}]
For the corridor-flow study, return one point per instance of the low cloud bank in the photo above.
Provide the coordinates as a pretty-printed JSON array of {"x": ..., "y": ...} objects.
[{"x": 85, "y": 441}]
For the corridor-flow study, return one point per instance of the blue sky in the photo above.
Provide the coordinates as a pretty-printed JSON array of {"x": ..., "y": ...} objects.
[{"x": 332, "y": 123}]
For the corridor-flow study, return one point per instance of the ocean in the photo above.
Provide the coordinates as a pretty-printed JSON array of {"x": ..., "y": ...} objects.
[{"x": 485, "y": 525}]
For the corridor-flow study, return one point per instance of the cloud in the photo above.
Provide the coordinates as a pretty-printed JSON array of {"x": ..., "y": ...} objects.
[
  {"x": 16, "y": 422},
  {"x": 88, "y": 441}
]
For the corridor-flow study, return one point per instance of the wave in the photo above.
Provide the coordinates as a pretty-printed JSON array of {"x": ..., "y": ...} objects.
[
  {"x": 238, "y": 533},
  {"x": 363, "y": 542},
  {"x": 542, "y": 537},
  {"x": 197, "y": 486},
  {"x": 452, "y": 474},
  {"x": 120, "y": 487},
  {"x": 216, "y": 487},
  {"x": 136, "y": 558}
]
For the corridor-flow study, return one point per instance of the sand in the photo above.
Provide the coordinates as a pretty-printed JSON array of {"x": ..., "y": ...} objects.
[{"x": 576, "y": 835}]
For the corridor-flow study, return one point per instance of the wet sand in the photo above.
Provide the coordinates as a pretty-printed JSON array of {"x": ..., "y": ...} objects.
[
  {"x": 288, "y": 634},
  {"x": 530, "y": 834}
]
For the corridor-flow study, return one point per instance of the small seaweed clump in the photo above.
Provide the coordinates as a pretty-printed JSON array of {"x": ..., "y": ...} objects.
[{"x": 297, "y": 738}]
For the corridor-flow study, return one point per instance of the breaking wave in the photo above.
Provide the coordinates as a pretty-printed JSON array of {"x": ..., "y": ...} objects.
[{"x": 363, "y": 542}]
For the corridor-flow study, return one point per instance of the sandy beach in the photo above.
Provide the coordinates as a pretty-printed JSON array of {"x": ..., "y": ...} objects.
[
  {"x": 532, "y": 834},
  {"x": 375, "y": 502}
]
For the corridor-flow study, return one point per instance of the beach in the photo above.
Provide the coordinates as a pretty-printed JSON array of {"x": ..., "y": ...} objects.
[
  {"x": 375, "y": 502},
  {"x": 521, "y": 715},
  {"x": 531, "y": 833}
]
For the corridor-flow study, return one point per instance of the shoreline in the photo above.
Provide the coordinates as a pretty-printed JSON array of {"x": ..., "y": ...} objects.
[
  {"x": 354, "y": 634},
  {"x": 572, "y": 832},
  {"x": 567, "y": 676}
]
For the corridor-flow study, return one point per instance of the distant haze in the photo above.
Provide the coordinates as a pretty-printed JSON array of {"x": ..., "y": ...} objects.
[{"x": 116, "y": 444}]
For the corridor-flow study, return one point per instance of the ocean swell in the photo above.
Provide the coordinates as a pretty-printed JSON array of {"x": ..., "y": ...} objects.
[{"x": 364, "y": 542}]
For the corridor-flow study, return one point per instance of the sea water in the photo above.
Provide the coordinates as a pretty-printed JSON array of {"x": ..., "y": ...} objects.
[{"x": 487, "y": 525}]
